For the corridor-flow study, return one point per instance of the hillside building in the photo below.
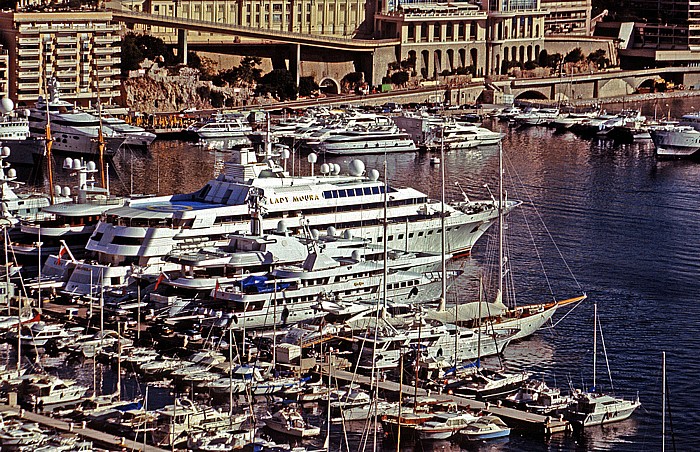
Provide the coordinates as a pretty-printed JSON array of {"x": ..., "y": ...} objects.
[{"x": 78, "y": 48}]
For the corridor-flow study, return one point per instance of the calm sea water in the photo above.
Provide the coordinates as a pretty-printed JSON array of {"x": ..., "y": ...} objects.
[{"x": 627, "y": 226}]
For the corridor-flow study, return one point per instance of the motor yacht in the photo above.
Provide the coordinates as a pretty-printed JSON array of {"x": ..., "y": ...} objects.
[
  {"x": 72, "y": 130},
  {"x": 144, "y": 231}
]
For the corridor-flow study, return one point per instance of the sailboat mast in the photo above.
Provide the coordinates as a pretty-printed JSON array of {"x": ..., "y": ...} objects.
[
  {"x": 663, "y": 401},
  {"x": 443, "y": 300},
  {"x": 595, "y": 338},
  {"x": 500, "y": 221},
  {"x": 385, "y": 270},
  {"x": 100, "y": 133},
  {"x": 49, "y": 145}
]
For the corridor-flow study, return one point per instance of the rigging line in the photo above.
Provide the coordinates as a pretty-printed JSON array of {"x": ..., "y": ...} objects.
[
  {"x": 569, "y": 312},
  {"x": 561, "y": 255},
  {"x": 511, "y": 170},
  {"x": 605, "y": 353}
]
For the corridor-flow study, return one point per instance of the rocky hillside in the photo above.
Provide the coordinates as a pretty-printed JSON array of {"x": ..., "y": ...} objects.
[{"x": 154, "y": 89}]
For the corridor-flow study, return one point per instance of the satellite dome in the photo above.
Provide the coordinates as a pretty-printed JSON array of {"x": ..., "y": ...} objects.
[
  {"x": 331, "y": 231},
  {"x": 66, "y": 191},
  {"x": 356, "y": 255},
  {"x": 325, "y": 168},
  {"x": 373, "y": 175},
  {"x": 285, "y": 153},
  {"x": 91, "y": 166},
  {"x": 57, "y": 188},
  {"x": 6, "y": 105},
  {"x": 5, "y": 151},
  {"x": 68, "y": 163},
  {"x": 11, "y": 173},
  {"x": 76, "y": 164},
  {"x": 281, "y": 227},
  {"x": 347, "y": 234},
  {"x": 312, "y": 158},
  {"x": 336, "y": 169},
  {"x": 356, "y": 167},
  {"x": 314, "y": 234}
]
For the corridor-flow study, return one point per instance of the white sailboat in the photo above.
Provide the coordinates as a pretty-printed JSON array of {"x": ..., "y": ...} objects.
[{"x": 593, "y": 407}]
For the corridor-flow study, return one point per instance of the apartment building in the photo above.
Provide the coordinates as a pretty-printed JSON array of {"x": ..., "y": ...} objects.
[
  {"x": 655, "y": 33},
  {"x": 326, "y": 17},
  {"x": 4, "y": 71},
  {"x": 78, "y": 48},
  {"x": 570, "y": 17}
]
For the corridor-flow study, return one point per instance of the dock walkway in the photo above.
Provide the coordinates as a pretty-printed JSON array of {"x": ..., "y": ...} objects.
[
  {"x": 531, "y": 422},
  {"x": 100, "y": 439}
]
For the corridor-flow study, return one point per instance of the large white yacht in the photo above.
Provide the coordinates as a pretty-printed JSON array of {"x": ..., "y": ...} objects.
[
  {"x": 133, "y": 135},
  {"x": 143, "y": 231},
  {"x": 14, "y": 133},
  {"x": 223, "y": 126},
  {"x": 69, "y": 222},
  {"x": 363, "y": 140},
  {"x": 72, "y": 130},
  {"x": 291, "y": 293},
  {"x": 678, "y": 140},
  {"x": 461, "y": 136}
]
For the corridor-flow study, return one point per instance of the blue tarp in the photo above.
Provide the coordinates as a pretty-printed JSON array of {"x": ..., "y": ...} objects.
[{"x": 259, "y": 284}]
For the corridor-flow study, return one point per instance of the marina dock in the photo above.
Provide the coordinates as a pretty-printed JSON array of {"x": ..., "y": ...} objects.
[
  {"x": 100, "y": 439},
  {"x": 530, "y": 422}
]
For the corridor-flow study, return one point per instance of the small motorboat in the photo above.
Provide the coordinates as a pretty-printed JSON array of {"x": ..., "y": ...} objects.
[
  {"x": 485, "y": 427},
  {"x": 290, "y": 422}
]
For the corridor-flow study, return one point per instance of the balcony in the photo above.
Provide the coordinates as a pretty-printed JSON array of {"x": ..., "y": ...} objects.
[
  {"x": 105, "y": 40},
  {"x": 31, "y": 75},
  {"x": 66, "y": 51},
  {"x": 67, "y": 40},
  {"x": 63, "y": 62},
  {"x": 28, "y": 41},
  {"x": 28, "y": 52},
  {"x": 28, "y": 64},
  {"x": 104, "y": 50},
  {"x": 69, "y": 84},
  {"x": 68, "y": 73},
  {"x": 28, "y": 86}
]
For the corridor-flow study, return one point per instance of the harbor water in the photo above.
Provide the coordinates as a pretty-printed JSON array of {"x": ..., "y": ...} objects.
[{"x": 627, "y": 227}]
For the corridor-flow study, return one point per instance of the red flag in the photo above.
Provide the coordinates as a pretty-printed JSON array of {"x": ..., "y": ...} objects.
[
  {"x": 161, "y": 277},
  {"x": 61, "y": 252},
  {"x": 216, "y": 288},
  {"x": 36, "y": 318}
]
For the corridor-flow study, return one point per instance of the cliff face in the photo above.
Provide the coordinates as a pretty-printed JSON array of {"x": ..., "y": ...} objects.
[
  {"x": 149, "y": 95},
  {"x": 155, "y": 90}
]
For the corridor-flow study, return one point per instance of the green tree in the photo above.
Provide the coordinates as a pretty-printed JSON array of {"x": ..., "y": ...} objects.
[
  {"x": 307, "y": 86},
  {"x": 131, "y": 55},
  {"x": 279, "y": 83},
  {"x": 599, "y": 59},
  {"x": 399, "y": 78},
  {"x": 530, "y": 65},
  {"x": 574, "y": 56},
  {"x": 136, "y": 48},
  {"x": 247, "y": 72}
]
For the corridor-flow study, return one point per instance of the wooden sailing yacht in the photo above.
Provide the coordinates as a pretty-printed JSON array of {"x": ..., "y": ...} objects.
[{"x": 525, "y": 320}]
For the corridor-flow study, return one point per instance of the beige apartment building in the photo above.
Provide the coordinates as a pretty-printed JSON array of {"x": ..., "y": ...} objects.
[
  {"x": 4, "y": 71},
  {"x": 570, "y": 17},
  {"x": 80, "y": 49}
]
